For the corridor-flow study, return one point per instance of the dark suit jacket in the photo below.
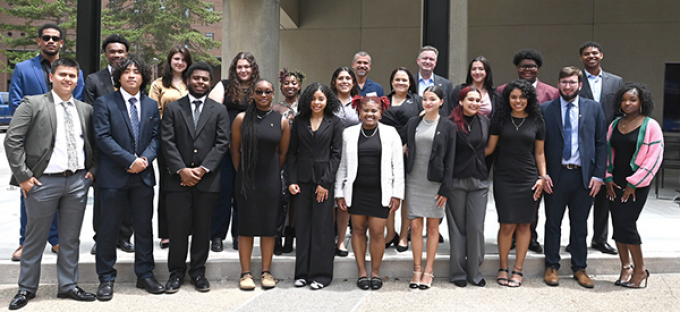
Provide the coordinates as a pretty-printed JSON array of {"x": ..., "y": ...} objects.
[
  {"x": 592, "y": 145},
  {"x": 28, "y": 79},
  {"x": 610, "y": 84},
  {"x": 96, "y": 85},
  {"x": 493, "y": 96},
  {"x": 470, "y": 160},
  {"x": 447, "y": 87},
  {"x": 442, "y": 156},
  {"x": 115, "y": 139},
  {"x": 544, "y": 92},
  {"x": 315, "y": 157},
  {"x": 186, "y": 146},
  {"x": 30, "y": 139}
]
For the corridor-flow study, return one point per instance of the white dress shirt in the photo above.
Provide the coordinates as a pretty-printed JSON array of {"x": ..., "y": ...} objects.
[
  {"x": 59, "y": 159},
  {"x": 595, "y": 82}
]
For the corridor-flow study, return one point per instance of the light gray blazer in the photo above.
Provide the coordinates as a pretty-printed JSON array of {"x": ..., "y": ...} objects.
[{"x": 391, "y": 164}]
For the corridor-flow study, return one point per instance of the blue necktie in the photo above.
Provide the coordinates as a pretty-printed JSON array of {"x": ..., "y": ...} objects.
[
  {"x": 566, "y": 131},
  {"x": 134, "y": 120}
]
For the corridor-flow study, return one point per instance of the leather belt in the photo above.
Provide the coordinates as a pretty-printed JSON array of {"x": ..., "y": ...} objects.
[
  {"x": 571, "y": 166},
  {"x": 64, "y": 174}
]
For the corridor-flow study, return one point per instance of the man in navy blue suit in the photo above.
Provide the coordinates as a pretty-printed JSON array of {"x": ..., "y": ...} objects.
[
  {"x": 31, "y": 77},
  {"x": 575, "y": 156},
  {"x": 127, "y": 132}
]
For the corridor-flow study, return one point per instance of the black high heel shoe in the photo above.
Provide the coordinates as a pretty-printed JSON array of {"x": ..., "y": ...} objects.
[
  {"x": 394, "y": 241},
  {"x": 633, "y": 285},
  {"x": 618, "y": 282}
]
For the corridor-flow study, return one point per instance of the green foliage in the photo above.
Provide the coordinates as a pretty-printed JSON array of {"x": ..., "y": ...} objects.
[{"x": 35, "y": 13}]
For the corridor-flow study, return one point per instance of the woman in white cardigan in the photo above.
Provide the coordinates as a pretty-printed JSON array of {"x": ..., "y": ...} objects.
[{"x": 370, "y": 182}]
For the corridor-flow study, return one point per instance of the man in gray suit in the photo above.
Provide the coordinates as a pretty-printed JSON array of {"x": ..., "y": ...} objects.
[
  {"x": 600, "y": 86},
  {"x": 427, "y": 61},
  {"x": 50, "y": 150}
]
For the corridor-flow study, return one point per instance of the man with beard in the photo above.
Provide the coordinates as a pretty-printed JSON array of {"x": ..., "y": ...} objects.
[
  {"x": 31, "y": 77},
  {"x": 361, "y": 64},
  {"x": 575, "y": 156},
  {"x": 194, "y": 138},
  {"x": 115, "y": 48},
  {"x": 600, "y": 86}
]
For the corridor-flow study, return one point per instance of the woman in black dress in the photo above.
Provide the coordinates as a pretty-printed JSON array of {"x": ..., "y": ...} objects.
[
  {"x": 233, "y": 93},
  {"x": 370, "y": 183},
  {"x": 259, "y": 143},
  {"x": 405, "y": 103},
  {"x": 518, "y": 132},
  {"x": 313, "y": 160},
  {"x": 635, "y": 152}
]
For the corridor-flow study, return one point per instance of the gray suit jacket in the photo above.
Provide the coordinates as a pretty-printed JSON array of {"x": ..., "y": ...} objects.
[
  {"x": 96, "y": 85},
  {"x": 31, "y": 135},
  {"x": 610, "y": 84}
]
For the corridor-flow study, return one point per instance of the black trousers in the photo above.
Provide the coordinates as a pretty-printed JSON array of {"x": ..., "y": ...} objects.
[
  {"x": 314, "y": 236},
  {"x": 189, "y": 213},
  {"x": 126, "y": 228},
  {"x": 601, "y": 210}
]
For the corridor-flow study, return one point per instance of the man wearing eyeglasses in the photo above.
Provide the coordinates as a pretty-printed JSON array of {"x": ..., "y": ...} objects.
[
  {"x": 32, "y": 77},
  {"x": 528, "y": 62}
]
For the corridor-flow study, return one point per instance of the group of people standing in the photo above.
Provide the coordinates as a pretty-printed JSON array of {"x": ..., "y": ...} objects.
[{"x": 340, "y": 152}]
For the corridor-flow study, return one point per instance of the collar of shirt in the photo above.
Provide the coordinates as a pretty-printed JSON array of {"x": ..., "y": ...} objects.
[
  {"x": 564, "y": 103},
  {"x": 535, "y": 83},
  {"x": 58, "y": 100},
  {"x": 127, "y": 96},
  {"x": 193, "y": 106},
  {"x": 421, "y": 79},
  {"x": 591, "y": 76}
]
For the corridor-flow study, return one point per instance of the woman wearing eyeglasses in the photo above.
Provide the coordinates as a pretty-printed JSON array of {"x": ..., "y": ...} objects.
[{"x": 259, "y": 143}]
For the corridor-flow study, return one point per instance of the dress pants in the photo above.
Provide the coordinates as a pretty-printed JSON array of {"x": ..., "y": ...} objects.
[
  {"x": 125, "y": 231},
  {"x": 68, "y": 197},
  {"x": 136, "y": 196},
  {"x": 226, "y": 207},
  {"x": 601, "y": 217},
  {"x": 162, "y": 207},
  {"x": 53, "y": 237},
  {"x": 465, "y": 213},
  {"x": 314, "y": 234},
  {"x": 189, "y": 213},
  {"x": 568, "y": 192}
]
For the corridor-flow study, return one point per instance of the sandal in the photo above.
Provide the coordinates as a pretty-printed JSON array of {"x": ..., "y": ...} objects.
[
  {"x": 413, "y": 284},
  {"x": 246, "y": 281},
  {"x": 514, "y": 282},
  {"x": 628, "y": 268},
  {"x": 424, "y": 286},
  {"x": 503, "y": 281}
]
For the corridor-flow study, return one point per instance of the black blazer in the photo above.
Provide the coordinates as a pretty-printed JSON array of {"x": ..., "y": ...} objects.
[
  {"x": 493, "y": 96},
  {"x": 315, "y": 157},
  {"x": 610, "y": 84},
  {"x": 186, "y": 147},
  {"x": 442, "y": 157},
  {"x": 96, "y": 85},
  {"x": 470, "y": 160}
]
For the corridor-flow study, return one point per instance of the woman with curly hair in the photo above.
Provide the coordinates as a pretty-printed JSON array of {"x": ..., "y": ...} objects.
[
  {"x": 291, "y": 86},
  {"x": 235, "y": 93},
  {"x": 635, "y": 151},
  {"x": 313, "y": 160},
  {"x": 370, "y": 183},
  {"x": 259, "y": 143},
  {"x": 518, "y": 133}
]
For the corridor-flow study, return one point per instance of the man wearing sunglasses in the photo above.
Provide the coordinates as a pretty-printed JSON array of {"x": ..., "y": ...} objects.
[{"x": 31, "y": 77}]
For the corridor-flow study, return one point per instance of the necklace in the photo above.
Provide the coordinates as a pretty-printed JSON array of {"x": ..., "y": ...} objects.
[
  {"x": 516, "y": 125},
  {"x": 624, "y": 121},
  {"x": 469, "y": 127},
  {"x": 368, "y": 136},
  {"x": 430, "y": 122},
  {"x": 265, "y": 113}
]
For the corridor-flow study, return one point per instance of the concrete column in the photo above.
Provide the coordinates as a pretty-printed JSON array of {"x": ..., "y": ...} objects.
[
  {"x": 252, "y": 25},
  {"x": 458, "y": 41}
]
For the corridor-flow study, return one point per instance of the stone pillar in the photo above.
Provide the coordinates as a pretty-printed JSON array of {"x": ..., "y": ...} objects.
[
  {"x": 252, "y": 25},
  {"x": 458, "y": 41}
]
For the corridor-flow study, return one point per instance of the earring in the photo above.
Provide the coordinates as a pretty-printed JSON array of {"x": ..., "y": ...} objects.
[{"x": 621, "y": 111}]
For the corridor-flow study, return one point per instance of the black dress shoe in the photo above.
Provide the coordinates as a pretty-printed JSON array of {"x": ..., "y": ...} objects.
[
  {"x": 535, "y": 246},
  {"x": 441, "y": 238},
  {"x": 151, "y": 285},
  {"x": 401, "y": 248},
  {"x": 278, "y": 246},
  {"x": 568, "y": 248},
  {"x": 234, "y": 243},
  {"x": 481, "y": 283},
  {"x": 201, "y": 284},
  {"x": 78, "y": 294},
  {"x": 394, "y": 241},
  {"x": 126, "y": 246},
  {"x": 105, "y": 291},
  {"x": 164, "y": 245},
  {"x": 604, "y": 248},
  {"x": 173, "y": 285},
  {"x": 216, "y": 245},
  {"x": 460, "y": 283},
  {"x": 94, "y": 249},
  {"x": 21, "y": 299}
]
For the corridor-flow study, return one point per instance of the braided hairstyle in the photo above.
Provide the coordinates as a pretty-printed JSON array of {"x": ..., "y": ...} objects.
[{"x": 249, "y": 142}]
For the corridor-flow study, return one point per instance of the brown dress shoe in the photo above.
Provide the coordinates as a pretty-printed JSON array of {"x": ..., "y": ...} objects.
[
  {"x": 55, "y": 249},
  {"x": 582, "y": 277},
  {"x": 16, "y": 256},
  {"x": 551, "y": 277}
]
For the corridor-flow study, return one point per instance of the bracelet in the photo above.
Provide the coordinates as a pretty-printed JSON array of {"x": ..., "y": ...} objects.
[{"x": 543, "y": 177}]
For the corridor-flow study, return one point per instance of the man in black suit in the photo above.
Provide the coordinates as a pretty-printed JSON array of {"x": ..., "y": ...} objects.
[
  {"x": 115, "y": 48},
  {"x": 427, "y": 61},
  {"x": 127, "y": 132},
  {"x": 194, "y": 139},
  {"x": 575, "y": 156},
  {"x": 600, "y": 86}
]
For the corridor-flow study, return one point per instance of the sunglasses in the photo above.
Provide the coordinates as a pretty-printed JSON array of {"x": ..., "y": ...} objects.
[
  {"x": 261, "y": 92},
  {"x": 47, "y": 38}
]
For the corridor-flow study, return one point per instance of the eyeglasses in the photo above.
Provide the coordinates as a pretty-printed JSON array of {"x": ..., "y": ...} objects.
[
  {"x": 47, "y": 38},
  {"x": 261, "y": 92},
  {"x": 566, "y": 83},
  {"x": 531, "y": 67}
]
